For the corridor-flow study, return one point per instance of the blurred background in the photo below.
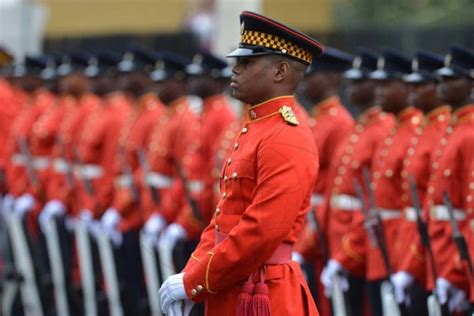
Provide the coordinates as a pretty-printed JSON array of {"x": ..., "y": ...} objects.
[{"x": 54, "y": 26}]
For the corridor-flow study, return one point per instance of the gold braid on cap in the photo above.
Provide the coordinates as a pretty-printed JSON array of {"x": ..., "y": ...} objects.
[{"x": 276, "y": 43}]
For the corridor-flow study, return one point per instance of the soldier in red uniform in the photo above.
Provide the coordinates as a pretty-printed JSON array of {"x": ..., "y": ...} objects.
[
  {"x": 452, "y": 171},
  {"x": 162, "y": 193},
  {"x": 354, "y": 154},
  {"x": 266, "y": 185},
  {"x": 411, "y": 265},
  {"x": 205, "y": 76},
  {"x": 330, "y": 123},
  {"x": 391, "y": 94}
]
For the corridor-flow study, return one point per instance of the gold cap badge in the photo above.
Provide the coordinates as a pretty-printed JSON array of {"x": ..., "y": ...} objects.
[{"x": 288, "y": 115}]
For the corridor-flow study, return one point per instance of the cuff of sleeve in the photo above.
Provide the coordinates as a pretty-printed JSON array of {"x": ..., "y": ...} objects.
[{"x": 196, "y": 279}]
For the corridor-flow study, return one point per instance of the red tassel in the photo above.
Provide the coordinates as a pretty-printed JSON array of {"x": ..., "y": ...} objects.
[
  {"x": 244, "y": 300},
  {"x": 260, "y": 301}
]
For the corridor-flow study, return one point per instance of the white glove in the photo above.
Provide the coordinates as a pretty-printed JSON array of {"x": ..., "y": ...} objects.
[
  {"x": 86, "y": 215},
  {"x": 297, "y": 257},
  {"x": 180, "y": 308},
  {"x": 332, "y": 270},
  {"x": 8, "y": 203},
  {"x": 171, "y": 291},
  {"x": 456, "y": 298},
  {"x": 111, "y": 218},
  {"x": 401, "y": 281},
  {"x": 172, "y": 234},
  {"x": 52, "y": 209},
  {"x": 24, "y": 204},
  {"x": 154, "y": 225}
]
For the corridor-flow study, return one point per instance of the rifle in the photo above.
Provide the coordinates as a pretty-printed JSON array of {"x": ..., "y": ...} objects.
[
  {"x": 25, "y": 151},
  {"x": 129, "y": 174},
  {"x": 146, "y": 169},
  {"x": 69, "y": 171},
  {"x": 86, "y": 182},
  {"x": 425, "y": 241},
  {"x": 389, "y": 303},
  {"x": 187, "y": 194},
  {"x": 458, "y": 238},
  {"x": 316, "y": 227}
]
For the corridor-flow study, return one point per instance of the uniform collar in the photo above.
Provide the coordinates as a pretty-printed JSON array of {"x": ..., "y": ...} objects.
[
  {"x": 270, "y": 107},
  {"x": 440, "y": 114},
  {"x": 329, "y": 105},
  {"x": 410, "y": 115},
  {"x": 372, "y": 114},
  {"x": 463, "y": 115},
  {"x": 147, "y": 101},
  {"x": 178, "y": 105}
]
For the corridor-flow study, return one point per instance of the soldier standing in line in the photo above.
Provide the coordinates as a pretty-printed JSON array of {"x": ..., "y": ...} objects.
[
  {"x": 410, "y": 279},
  {"x": 330, "y": 123},
  {"x": 354, "y": 154},
  {"x": 391, "y": 94},
  {"x": 452, "y": 171},
  {"x": 244, "y": 258}
]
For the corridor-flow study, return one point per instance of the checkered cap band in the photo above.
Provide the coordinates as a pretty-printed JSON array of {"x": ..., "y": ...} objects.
[{"x": 276, "y": 43}]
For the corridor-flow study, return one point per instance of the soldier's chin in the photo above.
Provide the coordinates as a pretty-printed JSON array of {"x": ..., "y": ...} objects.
[{"x": 236, "y": 94}]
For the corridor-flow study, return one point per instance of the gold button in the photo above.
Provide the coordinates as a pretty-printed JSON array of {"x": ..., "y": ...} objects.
[
  {"x": 199, "y": 288},
  {"x": 388, "y": 141},
  {"x": 332, "y": 111},
  {"x": 234, "y": 175},
  {"x": 218, "y": 211},
  {"x": 405, "y": 185},
  {"x": 443, "y": 141},
  {"x": 447, "y": 173},
  {"x": 435, "y": 165},
  {"x": 224, "y": 194},
  {"x": 354, "y": 138},
  {"x": 471, "y": 185},
  {"x": 404, "y": 197},
  {"x": 418, "y": 131},
  {"x": 359, "y": 128},
  {"x": 341, "y": 170},
  {"x": 449, "y": 129},
  {"x": 389, "y": 173},
  {"x": 349, "y": 149},
  {"x": 216, "y": 227},
  {"x": 245, "y": 130},
  {"x": 377, "y": 174},
  {"x": 346, "y": 159},
  {"x": 431, "y": 189},
  {"x": 384, "y": 152},
  {"x": 469, "y": 198},
  {"x": 439, "y": 153},
  {"x": 355, "y": 164},
  {"x": 194, "y": 292},
  {"x": 229, "y": 161},
  {"x": 236, "y": 145},
  {"x": 338, "y": 180},
  {"x": 225, "y": 178},
  {"x": 404, "y": 174},
  {"x": 411, "y": 151},
  {"x": 414, "y": 140}
]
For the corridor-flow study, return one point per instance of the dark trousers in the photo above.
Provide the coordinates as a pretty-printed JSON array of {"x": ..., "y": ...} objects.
[
  {"x": 130, "y": 273},
  {"x": 374, "y": 298}
]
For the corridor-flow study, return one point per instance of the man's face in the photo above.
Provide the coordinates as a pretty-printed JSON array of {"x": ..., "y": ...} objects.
[
  {"x": 454, "y": 91},
  {"x": 252, "y": 79},
  {"x": 423, "y": 96},
  {"x": 391, "y": 95},
  {"x": 361, "y": 92}
]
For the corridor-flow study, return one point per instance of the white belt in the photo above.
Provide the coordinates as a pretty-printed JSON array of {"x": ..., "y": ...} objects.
[
  {"x": 40, "y": 163},
  {"x": 440, "y": 213},
  {"x": 345, "y": 202},
  {"x": 60, "y": 165},
  {"x": 89, "y": 171},
  {"x": 123, "y": 181},
  {"x": 316, "y": 199},
  {"x": 18, "y": 159},
  {"x": 196, "y": 186},
  {"x": 410, "y": 214},
  {"x": 389, "y": 213},
  {"x": 157, "y": 180}
]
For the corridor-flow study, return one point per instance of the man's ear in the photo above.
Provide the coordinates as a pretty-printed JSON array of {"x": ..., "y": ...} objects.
[{"x": 282, "y": 70}]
